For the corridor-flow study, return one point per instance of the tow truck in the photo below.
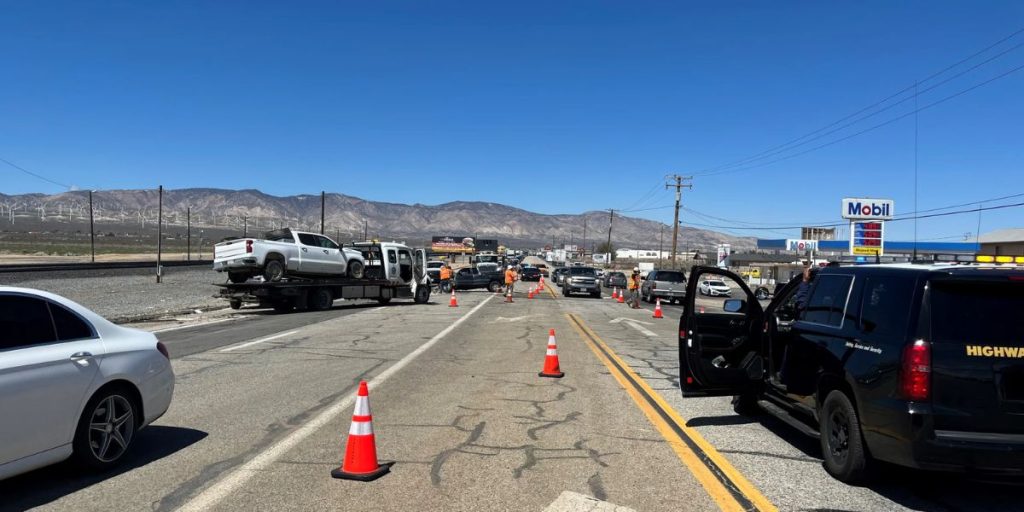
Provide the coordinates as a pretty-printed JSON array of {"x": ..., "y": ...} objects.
[{"x": 393, "y": 271}]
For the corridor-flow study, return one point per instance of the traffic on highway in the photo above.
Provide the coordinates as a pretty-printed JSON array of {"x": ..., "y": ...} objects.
[{"x": 512, "y": 256}]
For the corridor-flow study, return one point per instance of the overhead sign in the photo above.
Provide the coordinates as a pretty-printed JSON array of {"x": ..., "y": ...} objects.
[
  {"x": 801, "y": 245},
  {"x": 452, "y": 244},
  {"x": 724, "y": 250},
  {"x": 867, "y": 209}
]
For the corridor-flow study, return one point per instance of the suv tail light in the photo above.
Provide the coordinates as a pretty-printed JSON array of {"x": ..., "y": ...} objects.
[
  {"x": 916, "y": 371},
  {"x": 248, "y": 246},
  {"x": 163, "y": 349}
]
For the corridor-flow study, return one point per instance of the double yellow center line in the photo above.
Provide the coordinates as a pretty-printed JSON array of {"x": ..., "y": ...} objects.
[{"x": 726, "y": 486}]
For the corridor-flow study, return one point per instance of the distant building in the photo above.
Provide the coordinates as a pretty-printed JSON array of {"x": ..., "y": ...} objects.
[
  {"x": 1006, "y": 242},
  {"x": 815, "y": 233}
]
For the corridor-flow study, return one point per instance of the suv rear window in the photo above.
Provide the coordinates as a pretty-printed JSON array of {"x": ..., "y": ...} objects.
[
  {"x": 670, "y": 276},
  {"x": 977, "y": 312}
]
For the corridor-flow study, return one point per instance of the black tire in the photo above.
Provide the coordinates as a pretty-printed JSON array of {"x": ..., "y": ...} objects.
[
  {"x": 273, "y": 270},
  {"x": 565, "y": 291},
  {"x": 761, "y": 293},
  {"x": 422, "y": 294},
  {"x": 237, "y": 277},
  {"x": 745, "y": 405},
  {"x": 493, "y": 287},
  {"x": 284, "y": 307},
  {"x": 842, "y": 444},
  {"x": 235, "y": 303},
  {"x": 320, "y": 299},
  {"x": 356, "y": 270},
  {"x": 384, "y": 301},
  {"x": 122, "y": 418},
  {"x": 596, "y": 295}
]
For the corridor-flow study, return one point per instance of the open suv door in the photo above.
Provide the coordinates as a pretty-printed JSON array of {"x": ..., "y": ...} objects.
[{"x": 720, "y": 351}]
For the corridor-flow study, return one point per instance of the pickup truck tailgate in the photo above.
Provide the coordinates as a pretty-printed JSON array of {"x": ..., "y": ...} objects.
[{"x": 231, "y": 249}]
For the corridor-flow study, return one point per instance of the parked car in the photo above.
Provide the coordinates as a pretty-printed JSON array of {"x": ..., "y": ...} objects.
[
  {"x": 284, "y": 252},
  {"x": 615, "y": 279},
  {"x": 714, "y": 288},
  {"x": 434, "y": 270},
  {"x": 581, "y": 280},
  {"x": 559, "y": 275},
  {"x": 918, "y": 365},
  {"x": 543, "y": 269},
  {"x": 73, "y": 384},
  {"x": 666, "y": 284},
  {"x": 529, "y": 274}
]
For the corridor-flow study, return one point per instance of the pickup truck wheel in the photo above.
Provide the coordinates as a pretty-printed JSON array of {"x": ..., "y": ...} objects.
[
  {"x": 283, "y": 307},
  {"x": 273, "y": 271},
  {"x": 235, "y": 303},
  {"x": 383, "y": 301},
  {"x": 355, "y": 269},
  {"x": 320, "y": 299},
  {"x": 842, "y": 444},
  {"x": 493, "y": 287},
  {"x": 237, "y": 277}
]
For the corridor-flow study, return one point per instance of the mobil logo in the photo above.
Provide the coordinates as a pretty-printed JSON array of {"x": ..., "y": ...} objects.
[{"x": 860, "y": 208}]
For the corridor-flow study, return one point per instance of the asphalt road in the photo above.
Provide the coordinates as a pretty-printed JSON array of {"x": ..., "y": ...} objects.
[{"x": 263, "y": 404}]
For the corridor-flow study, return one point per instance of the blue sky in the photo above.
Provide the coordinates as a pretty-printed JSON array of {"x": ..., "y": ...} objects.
[{"x": 548, "y": 106}]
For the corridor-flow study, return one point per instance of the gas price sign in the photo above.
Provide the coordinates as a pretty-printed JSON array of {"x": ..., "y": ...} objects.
[{"x": 867, "y": 238}]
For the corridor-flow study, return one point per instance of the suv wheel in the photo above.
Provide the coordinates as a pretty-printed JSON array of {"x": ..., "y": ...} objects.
[
  {"x": 842, "y": 445},
  {"x": 494, "y": 287}
]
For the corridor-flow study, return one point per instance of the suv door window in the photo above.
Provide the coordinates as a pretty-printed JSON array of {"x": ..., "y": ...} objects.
[
  {"x": 884, "y": 307},
  {"x": 69, "y": 325},
  {"x": 24, "y": 321},
  {"x": 405, "y": 264},
  {"x": 827, "y": 304}
]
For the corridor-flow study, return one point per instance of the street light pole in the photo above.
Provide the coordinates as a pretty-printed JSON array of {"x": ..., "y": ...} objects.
[{"x": 92, "y": 231}]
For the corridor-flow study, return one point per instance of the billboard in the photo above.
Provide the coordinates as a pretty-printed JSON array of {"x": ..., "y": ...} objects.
[
  {"x": 724, "y": 251},
  {"x": 461, "y": 244},
  {"x": 867, "y": 209}
]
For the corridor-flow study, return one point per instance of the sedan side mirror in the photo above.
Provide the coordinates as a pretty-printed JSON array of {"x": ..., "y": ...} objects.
[{"x": 735, "y": 306}]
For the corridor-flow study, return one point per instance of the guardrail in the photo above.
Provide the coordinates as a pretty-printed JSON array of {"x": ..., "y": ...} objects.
[{"x": 113, "y": 265}]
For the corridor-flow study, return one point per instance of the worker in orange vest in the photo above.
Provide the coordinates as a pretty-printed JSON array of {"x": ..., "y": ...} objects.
[
  {"x": 446, "y": 277},
  {"x": 510, "y": 280},
  {"x": 634, "y": 289}
]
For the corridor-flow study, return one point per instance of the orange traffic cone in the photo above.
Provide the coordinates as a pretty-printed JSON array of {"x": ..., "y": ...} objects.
[
  {"x": 361, "y": 449},
  {"x": 622, "y": 297},
  {"x": 615, "y": 292},
  {"x": 551, "y": 368},
  {"x": 657, "y": 309},
  {"x": 453, "y": 303},
  {"x": 533, "y": 291}
]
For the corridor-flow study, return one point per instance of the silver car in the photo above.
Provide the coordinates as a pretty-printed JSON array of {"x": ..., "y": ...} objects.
[
  {"x": 581, "y": 280},
  {"x": 73, "y": 384}
]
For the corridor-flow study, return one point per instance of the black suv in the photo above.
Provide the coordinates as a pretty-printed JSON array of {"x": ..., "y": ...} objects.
[
  {"x": 917, "y": 365},
  {"x": 529, "y": 274}
]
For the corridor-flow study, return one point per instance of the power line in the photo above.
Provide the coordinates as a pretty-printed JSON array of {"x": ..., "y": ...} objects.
[
  {"x": 758, "y": 156},
  {"x": 872, "y": 128},
  {"x": 30, "y": 173}
]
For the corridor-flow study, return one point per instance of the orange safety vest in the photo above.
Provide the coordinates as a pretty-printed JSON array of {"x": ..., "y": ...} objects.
[
  {"x": 510, "y": 277},
  {"x": 446, "y": 273},
  {"x": 634, "y": 282}
]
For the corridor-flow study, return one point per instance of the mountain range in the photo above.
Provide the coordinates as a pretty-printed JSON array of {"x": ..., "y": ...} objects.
[{"x": 347, "y": 216}]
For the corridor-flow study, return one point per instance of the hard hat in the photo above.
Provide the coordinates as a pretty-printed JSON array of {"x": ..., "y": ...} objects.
[
  {"x": 636, "y": 269},
  {"x": 510, "y": 267}
]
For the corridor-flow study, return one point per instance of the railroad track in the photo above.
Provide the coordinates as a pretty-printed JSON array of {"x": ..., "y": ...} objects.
[{"x": 114, "y": 265}]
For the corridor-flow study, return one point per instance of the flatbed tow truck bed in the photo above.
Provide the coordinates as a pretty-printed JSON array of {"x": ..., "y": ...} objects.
[{"x": 317, "y": 294}]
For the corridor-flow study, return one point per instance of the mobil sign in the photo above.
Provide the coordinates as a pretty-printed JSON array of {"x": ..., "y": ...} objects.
[
  {"x": 861, "y": 208},
  {"x": 801, "y": 245}
]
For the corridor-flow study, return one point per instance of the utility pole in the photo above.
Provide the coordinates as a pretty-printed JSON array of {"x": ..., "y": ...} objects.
[
  {"x": 661, "y": 243},
  {"x": 611, "y": 218},
  {"x": 188, "y": 233},
  {"x": 159, "y": 232},
  {"x": 679, "y": 185},
  {"x": 366, "y": 225},
  {"x": 245, "y": 226},
  {"x": 584, "y": 250},
  {"x": 322, "y": 200},
  {"x": 92, "y": 231}
]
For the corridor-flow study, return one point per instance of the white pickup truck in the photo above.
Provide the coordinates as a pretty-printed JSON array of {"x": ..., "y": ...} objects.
[{"x": 285, "y": 252}]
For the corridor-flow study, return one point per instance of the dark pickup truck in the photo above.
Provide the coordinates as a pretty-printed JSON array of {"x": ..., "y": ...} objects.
[{"x": 472, "y": 278}]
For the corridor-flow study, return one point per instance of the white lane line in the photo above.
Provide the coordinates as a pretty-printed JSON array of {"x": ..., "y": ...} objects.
[
  {"x": 186, "y": 326},
  {"x": 251, "y": 343},
  {"x": 570, "y": 501},
  {"x": 232, "y": 481}
]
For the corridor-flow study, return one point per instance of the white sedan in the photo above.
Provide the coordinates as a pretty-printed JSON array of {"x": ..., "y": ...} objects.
[
  {"x": 73, "y": 383},
  {"x": 714, "y": 288}
]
